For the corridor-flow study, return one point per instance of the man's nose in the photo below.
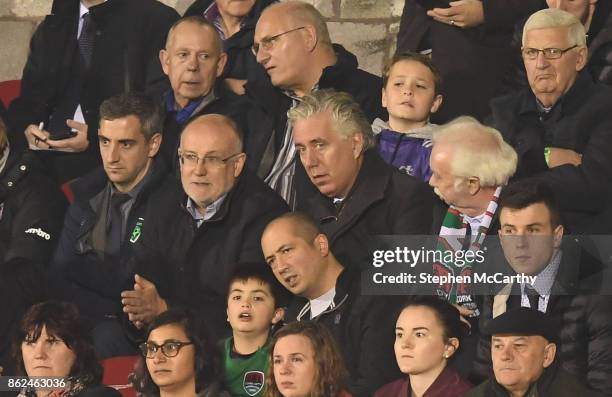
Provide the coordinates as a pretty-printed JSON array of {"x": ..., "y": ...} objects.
[
  {"x": 541, "y": 61},
  {"x": 193, "y": 62},
  {"x": 112, "y": 154},
  {"x": 200, "y": 167},
  {"x": 309, "y": 158},
  {"x": 262, "y": 56}
]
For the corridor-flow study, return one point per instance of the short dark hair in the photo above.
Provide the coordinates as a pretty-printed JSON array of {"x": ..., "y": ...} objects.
[
  {"x": 521, "y": 194},
  {"x": 305, "y": 226},
  {"x": 261, "y": 272},
  {"x": 134, "y": 104},
  {"x": 447, "y": 315},
  {"x": 416, "y": 57},
  {"x": 207, "y": 358},
  {"x": 62, "y": 320}
]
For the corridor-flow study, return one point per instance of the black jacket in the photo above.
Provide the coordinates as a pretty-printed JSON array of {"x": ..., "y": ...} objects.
[
  {"x": 189, "y": 265},
  {"x": 241, "y": 62},
  {"x": 472, "y": 61},
  {"x": 383, "y": 201},
  {"x": 270, "y": 123},
  {"x": 364, "y": 327},
  {"x": 582, "y": 315},
  {"x": 581, "y": 121},
  {"x": 125, "y": 58},
  {"x": 554, "y": 382},
  {"x": 226, "y": 103},
  {"x": 31, "y": 213},
  {"x": 79, "y": 273}
]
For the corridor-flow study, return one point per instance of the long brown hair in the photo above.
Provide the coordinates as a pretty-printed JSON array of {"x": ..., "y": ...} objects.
[{"x": 330, "y": 373}]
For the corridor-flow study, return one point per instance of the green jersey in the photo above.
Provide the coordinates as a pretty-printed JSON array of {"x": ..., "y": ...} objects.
[{"x": 245, "y": 375}]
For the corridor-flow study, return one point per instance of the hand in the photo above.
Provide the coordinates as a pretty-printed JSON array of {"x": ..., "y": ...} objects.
[
  {"x": 77, "y": 143},
  {"x": 462, "y": 13},
  {"x": 560, "y": 156},
  {"x": 237, "y": 86},
  {"x": 37, "y": 138},
  {"x": 143, "y": 303},
  {"x": 464, "y": 312}
]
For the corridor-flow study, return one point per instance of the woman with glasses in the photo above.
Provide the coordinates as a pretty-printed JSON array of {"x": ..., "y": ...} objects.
[
  {"x": 179, "y": 358},
  {"x": 53, "y": 346},
  {"x": 427, "y": 335},
  {"x": 305, "y": 362}
]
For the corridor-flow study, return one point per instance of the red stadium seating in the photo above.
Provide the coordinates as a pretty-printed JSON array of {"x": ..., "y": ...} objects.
[
  {"x": 116, "y": 372},
  {"x": 9, "y": 90}
]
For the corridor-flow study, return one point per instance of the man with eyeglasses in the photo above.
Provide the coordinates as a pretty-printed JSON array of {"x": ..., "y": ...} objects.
[
  {"x": 292, "y": 44},
  {"x": 561, "y": 127},
  {"x": 202, "y": 227}
]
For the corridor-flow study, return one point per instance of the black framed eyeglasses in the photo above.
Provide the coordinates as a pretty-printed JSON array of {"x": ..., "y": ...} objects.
[
  {"x": 192, "y": 159},
  {"x": 169, "y": 349},
  {"x": 268, "y": 42},
  {"x": 549, "y": 53}
]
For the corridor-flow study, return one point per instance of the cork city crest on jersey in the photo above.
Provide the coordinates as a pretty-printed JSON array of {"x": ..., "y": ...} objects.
[{"x": 253, "y": 382}]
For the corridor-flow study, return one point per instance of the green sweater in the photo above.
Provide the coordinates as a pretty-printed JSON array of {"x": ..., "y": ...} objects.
[{"x": 245, "y": 374}]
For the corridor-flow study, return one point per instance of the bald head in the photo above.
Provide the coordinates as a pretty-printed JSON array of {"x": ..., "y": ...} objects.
[
  {"x": 299, "y": 13},
  {"x": 216, "y": 124},
  {"x": 203, "y": 24}
]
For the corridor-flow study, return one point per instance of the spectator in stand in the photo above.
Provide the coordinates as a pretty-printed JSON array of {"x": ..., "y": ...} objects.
[
  {"x": 561, "y": 127},
  {"x": 235, "y": 22},
  {"x": 194, "y": 59},
  {"x": 292, "y": 43},
  {"x": 469, "y": 41},
  {"x": 427, "y": 335},
  {"x": 81, "y": 54},
  {"x": 305, "y": 361},
  {"x": 353, "y": 195},
  {"x": 31, "y": 213},
  {"x": 52, "y": 342},
  {"x": 411, "y": 93},
  {"x": 179, "y": 358}
]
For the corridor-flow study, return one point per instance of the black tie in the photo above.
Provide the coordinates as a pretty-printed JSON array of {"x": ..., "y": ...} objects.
[
  {"x": 86, "y": 39},
  {"x": 533, "y": 296},
  {"x": 114, "y": 224}
]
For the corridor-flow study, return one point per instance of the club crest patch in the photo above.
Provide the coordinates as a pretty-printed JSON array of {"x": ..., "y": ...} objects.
[
  {"x": 137, "y": 231},
  {"x": 253, "y": 382}
]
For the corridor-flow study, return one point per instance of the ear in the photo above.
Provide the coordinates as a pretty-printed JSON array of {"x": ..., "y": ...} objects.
[
  {"x": 322, "y": 244},
  {"x": 473, "y": 185},
  {"x": 221, "y": 63},
  {"x": 164, "y": 60},
  {"x": 437, "y": 102},
  {"x": 549, "y": 354},
  {"x": 239, "y": 164},
  {"x": 581, "y": 60},
  {"x": 558, "y": 236},
  {"x": 384, "y": 97},
  {"x": 357, "y": 142},
  {"x": 154, "y": 144},
  {"x": 279, "y": 315},
  {"x": 310, "y": 38},
  {"x": 451, "y": 347}
]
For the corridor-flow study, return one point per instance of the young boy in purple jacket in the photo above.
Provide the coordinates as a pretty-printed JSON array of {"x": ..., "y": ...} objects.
[{"x": 411, "y": 85}]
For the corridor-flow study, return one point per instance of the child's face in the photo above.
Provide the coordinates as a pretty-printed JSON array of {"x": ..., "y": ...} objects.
[
  {"x": 250, "y": 306},
  {"x": 410, "y": 92}
]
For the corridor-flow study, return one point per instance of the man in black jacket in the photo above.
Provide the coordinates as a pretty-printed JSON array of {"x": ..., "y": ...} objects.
[
  {"x": 202, "y": 228},
  {"x": 568, "y": 285},
  {"x": 193, "y": 59},
  {"x": 325, "y": 291},
  {"x": 353, "y": 194},
  {"x": 561, "y": 127},
  {"x": 292, "y": 43},
  {"x": 90, "y": 267},
  {"x": 31, "y": 213},
  {"x": 81, "y": 54}
]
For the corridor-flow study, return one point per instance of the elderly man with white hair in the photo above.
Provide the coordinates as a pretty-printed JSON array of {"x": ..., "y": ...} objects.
[{"x": 561, "y": 126}]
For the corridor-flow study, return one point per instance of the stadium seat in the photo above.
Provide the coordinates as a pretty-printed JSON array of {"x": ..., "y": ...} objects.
[
  {"x": 9, "y": 90},
  {"x": 116, "y": 372}
]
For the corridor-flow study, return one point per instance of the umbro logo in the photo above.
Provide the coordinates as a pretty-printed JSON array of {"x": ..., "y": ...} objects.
[{"x": 39, "y": 232}]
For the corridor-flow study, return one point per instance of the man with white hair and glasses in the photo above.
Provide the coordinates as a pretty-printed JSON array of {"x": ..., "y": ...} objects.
[{"x": 561, "y": 126}]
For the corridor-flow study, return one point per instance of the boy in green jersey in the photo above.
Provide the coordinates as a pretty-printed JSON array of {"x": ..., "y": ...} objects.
[{"x": 253, "y": 307}]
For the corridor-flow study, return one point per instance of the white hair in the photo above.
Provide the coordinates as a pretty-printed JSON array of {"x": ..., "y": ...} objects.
[{"x": 556, "y": 18}]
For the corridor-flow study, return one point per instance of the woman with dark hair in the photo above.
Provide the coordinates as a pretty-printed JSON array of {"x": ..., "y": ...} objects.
[
  {"x": 52, "y": 341},
  {"x": 235, "y": 22},
  {"x": 428, "y": 333},
  {"x": 305, "y": 362},
  {"x": 179, "y": 358}
]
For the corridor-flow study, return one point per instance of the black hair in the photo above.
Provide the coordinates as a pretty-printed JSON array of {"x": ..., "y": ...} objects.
[
  {"x": 134, "y": 104},
  {"x": 261, "y": 272},
  {"x": 447, "y": 315},
  {"x": 521, "y": 194}
]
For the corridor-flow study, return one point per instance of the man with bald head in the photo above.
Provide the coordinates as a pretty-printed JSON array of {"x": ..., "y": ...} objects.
[
  {"x": 292, "y": 44},
  {"x": 561, "y": 125},
  {"x": 203, "y": 226},
  {"x": 193, "y": 59}
]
